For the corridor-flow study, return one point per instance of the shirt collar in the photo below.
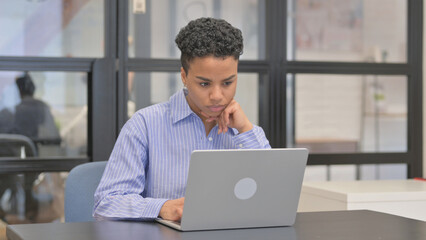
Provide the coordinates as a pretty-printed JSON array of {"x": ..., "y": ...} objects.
[
  {"x": 179, "y": 106},
  {"x": 235, "y": 131}
]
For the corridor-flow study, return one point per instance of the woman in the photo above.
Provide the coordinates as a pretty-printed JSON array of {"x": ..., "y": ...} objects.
[{"x": 146, "y": 174}]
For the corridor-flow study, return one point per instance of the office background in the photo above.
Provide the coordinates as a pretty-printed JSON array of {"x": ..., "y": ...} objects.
[{"x": 341, "y": 77}]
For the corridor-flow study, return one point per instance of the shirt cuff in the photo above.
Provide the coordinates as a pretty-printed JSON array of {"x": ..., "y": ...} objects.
[
  {"x": 253, "y": 139},
  {"x": 153, "y": 207}
]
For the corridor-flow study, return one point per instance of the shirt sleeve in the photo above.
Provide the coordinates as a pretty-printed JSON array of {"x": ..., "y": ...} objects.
[
  {"x": 119, "y": 194},
  {"x": 253, "y": 139}
]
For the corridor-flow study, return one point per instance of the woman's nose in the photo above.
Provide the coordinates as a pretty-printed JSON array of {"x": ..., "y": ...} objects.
[{"x": 216, "y": 94}]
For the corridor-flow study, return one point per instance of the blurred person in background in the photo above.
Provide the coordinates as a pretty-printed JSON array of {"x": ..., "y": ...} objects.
[
  {"x": 19, "y": 200},
  {"x": 32, "y": 116}
]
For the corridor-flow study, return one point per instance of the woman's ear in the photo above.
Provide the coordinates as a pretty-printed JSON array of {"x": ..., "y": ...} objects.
[{"x": 183, "y": 76}]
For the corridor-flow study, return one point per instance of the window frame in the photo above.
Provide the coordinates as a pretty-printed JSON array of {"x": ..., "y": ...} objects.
[
  {"x": 101, "y": 75},
  {"x": 107, "y": 84},
  {"x": 412, "y": 70},
  {"x": 277, "y": 67}
]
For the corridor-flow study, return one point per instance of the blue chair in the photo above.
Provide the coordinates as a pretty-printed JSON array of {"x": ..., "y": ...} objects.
[{"x": 80, "y": 187}]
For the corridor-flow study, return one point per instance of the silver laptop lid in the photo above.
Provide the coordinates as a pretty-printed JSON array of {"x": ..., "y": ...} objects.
[{"x": 243, "y": 188}]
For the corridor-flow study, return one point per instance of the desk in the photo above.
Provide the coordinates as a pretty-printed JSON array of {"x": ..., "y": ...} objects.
[
  {"x": 349, "y": 225},
  {"x": 406, "y": 198}
]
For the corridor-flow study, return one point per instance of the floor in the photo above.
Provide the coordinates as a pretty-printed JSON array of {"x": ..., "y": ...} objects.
[{"x": 2, "y": 230}]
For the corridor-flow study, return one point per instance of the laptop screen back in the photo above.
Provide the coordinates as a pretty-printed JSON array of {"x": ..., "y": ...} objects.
[{"x": 243, "y": 188}]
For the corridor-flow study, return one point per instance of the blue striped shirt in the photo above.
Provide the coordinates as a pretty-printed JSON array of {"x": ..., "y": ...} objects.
[{"x": 150, "y": 160}]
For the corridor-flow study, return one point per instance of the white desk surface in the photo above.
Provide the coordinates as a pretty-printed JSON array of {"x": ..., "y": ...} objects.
[
  {"x": 366, "y": 191},
  {"x": 406, "y": 198}
]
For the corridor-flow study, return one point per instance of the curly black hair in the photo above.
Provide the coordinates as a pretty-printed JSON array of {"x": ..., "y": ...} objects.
[{"x": 208, "y": 36}]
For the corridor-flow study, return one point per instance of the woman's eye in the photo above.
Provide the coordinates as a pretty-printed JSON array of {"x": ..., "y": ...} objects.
[
  {"x": 228, "y": 83},
  {"x": 204, "y": 84}
]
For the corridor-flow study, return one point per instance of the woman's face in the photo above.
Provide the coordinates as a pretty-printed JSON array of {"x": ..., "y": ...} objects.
[{"x": 211, "y": 84}]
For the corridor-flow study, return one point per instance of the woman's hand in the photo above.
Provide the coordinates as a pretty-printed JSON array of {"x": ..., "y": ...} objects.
[
  {"x": 172, "y": 209},
  {"x": 232, "y": 116}
]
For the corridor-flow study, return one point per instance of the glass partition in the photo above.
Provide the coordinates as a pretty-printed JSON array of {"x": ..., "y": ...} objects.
[
  {"x": 45, "y": 111},
  {"x": 350, "y": 113},
  {"x": 53, "y": 28},
  {"x": 148, "y": 40},
  {"x": 347, "y": 30},
  {"x": 32, "y": 197}
]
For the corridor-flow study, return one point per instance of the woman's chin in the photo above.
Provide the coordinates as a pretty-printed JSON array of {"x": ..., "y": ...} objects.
[{"x": 213, "y": 114}]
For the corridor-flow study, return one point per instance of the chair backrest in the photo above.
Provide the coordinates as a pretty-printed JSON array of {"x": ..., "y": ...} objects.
[
  {"x": 11, "y": 145},
  {"x": 80, "y": 188}
]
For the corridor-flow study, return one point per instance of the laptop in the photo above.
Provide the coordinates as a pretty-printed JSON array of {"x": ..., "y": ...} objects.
[{"x": 229, "y": 189}]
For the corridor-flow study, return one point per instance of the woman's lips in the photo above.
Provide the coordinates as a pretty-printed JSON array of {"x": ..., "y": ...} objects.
[{"x": 216, "y": 108}]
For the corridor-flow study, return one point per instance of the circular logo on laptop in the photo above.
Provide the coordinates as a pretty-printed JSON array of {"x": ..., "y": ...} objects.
[{"x": 245, "y": 188}]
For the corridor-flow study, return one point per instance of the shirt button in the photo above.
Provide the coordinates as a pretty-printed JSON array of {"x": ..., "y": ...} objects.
[
  {"x": 210, "y": 139},
  {"x": 241, "y": 145}
]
